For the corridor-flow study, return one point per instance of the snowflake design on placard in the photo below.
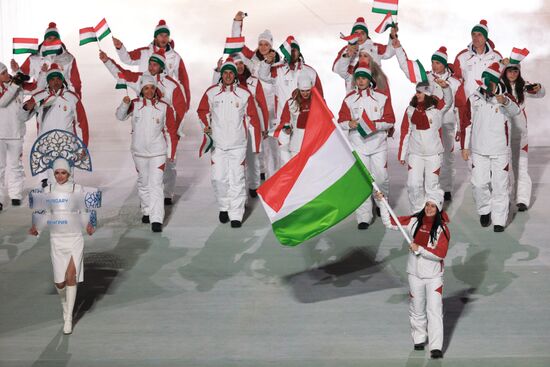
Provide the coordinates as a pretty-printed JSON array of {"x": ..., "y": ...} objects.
[
  {"x": 59, "y": 144},
  {"x": 93, "y": 199},
  {"x": 93, "y": 218}
]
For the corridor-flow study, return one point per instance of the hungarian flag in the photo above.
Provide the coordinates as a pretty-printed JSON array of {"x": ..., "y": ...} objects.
[
  {"x": 323, "y": 184},
  {"x": 365, "y": 126},
  {"x": 417, "y": 73},
  {"x": 87, "y": 35},
  {"x": 206, "y": 145},
  {"x": 51, "y": 48},
  {"x": 286, "y": 47},
  {"x": 25, "y": 46},
  {"x": 121, "y": 82},
  {"x": 233, "y": 45},
  {"x": 384, "y": 6},
  {"x": 517, "y": 55},
  {"x": 352, "y": 38},
  {"x": 386, "y": 23},
  {"x": 102, "y": 29}
]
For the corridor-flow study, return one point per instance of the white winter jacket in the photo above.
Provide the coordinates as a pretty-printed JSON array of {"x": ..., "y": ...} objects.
[
  {"x": 469, "y": 65},
  {"x": 154, "y": 130},
  {"x": 11, "y": 99}
]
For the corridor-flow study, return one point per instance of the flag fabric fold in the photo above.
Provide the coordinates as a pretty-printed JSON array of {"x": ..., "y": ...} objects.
[
  {"x": 87, "y": 35},
  {"x": 322, "y": 185},
  {"x": 352, "y": 39},
  {"x": 206, "y": 145},
  {"x": 286, "y": 47},
  {"x": 385, "y": 6},
  {"x": 365, "y": 125},
  {"x": 517, "y": 55},
  {"x": 102, "y": 29},
  {"x": 25, "y": 46},
  {"x": 386, "y": 23},
  {"x": 417, "y": 73}
]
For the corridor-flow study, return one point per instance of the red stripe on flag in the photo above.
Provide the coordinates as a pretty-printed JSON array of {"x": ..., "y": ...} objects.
[
  {"x": 87, "y": 30},
  {"x": 100, "y": 24},
  {"x": 394, "y": 2},
  {"x": 520, "y": 51},
  {"x": 234, "y": 39},
  {"x": 412, "y": 75},
  {"x": 369, "y": 123},
  {"x": 25, "y": 40},
  {"x": 319, "y": 124}
]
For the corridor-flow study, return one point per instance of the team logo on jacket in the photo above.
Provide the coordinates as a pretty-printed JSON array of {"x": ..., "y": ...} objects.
[
  {"x": 158, "y": 121},
  {"x": 65, "y": 108},
  {"x": 237, "y": 104}
]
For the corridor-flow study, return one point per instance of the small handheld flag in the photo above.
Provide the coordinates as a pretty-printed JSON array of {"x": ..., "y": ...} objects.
[
  {"x": 386, "y": 23},
  {"x": 25, "y": 46},
  {"x": 385, "y": 6},
  {"x": 517, "y": 55},
  {"x": 206, "y": 145},
  {"x": 417, "y": 73},
  {"x": 233, "y": 45},
  {"x": 102, "y": 29},
  {"x": 352, "y": 38},
  {"x": 87, "y": 35}
]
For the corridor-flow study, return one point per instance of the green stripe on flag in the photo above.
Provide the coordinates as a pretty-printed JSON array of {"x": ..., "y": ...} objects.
[
  {"x": 230, "y": 51},
  {"x": 285, "y": 52},
  {"x": 384, "y": 11},
  {"x": 121, "y": 86},
  {"x": 104, "y": 34},
  {"x": 87, "y": 40},
  {"x": 423, "y": 75},
  {"x": 328, "y": 208},
  {"x": 18, "y": 51}
]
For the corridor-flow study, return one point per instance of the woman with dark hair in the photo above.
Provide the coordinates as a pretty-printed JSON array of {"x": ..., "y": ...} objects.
[
  {"x": 430, "y": 241},
  {"x": 421, "y": 141},
  {"x": 516, "y": 86}
]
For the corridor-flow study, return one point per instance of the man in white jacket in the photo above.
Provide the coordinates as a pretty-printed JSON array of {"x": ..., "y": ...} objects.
[
  {"x": 12, "y": 132},
  {"x": 225, "y": 111},
  {"x": 487, "y": 139}
]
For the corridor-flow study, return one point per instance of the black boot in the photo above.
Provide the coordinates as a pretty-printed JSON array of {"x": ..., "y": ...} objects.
[
  {"x": 485, "y": 220},
  {"x": 436, "y": 354},
  {"x": 262, "y": 176},
  {"x": 167, "y": 201},
  {"x": 378, "y": 212},
  {"x": 156, "y": 227},
  {"x": 15, "y": 202},
  {"x": 447, "y": 196},
  {"x": 236, "y": 224},
  {"x": 253, "y": 193},
  {"x": 1, "y": 207},
  {"x": 44, "y": 182},
  {"x": 363, "y": 225},
  {"x": 522, "y": 207},
  {"x": 497, "y": 228},
  {"x": 419, "y": 346},
  {"x": 224, "y": 217},
  {"x": 145, "y": 219}
]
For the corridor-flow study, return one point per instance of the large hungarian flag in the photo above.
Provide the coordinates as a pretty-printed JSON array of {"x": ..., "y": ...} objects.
[
  {"x": 51, "y": 48},
  {"x": 25, "y": 46},
  {"x": 385, "y": 6},
  {"x": 323, "y": 184}
]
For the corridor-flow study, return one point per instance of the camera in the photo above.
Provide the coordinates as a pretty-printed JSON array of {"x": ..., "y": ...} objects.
[
  {"x": 530, "y": 87},
  {"x": 19, "y": 78}
]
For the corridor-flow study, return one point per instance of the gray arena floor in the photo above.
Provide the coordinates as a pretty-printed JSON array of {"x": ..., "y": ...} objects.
[{"x": 203, "y": 294}]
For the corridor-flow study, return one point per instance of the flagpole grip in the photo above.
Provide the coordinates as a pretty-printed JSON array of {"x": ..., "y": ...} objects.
[{"x": 392, "y": 214}]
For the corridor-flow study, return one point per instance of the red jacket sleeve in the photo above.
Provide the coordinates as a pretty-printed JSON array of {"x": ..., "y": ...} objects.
[
  {"x": 136, "y": 54},
  {"x": 345, "y": 113},
  {"x": 260, "y": 98},
  {"x": 75, "y": 79},
  {"x": 404, "y": 132},
  {"x": 82, "y": 121},
  {"x": 204, "y": 109},
  {"x": 183, "y": 78},
  {"x": 252, "y": 113},
  {"x": 26, "y": 67},
  {"x": 172, "y": 128},
  {"x": 178, "y": 102}
]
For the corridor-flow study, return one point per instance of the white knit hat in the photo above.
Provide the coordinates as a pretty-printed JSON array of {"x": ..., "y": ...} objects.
[
  {"x": 304, "y": 82},
  {"x": 2, "y": 67},
  {"x": 436, "y": 198},
  {"x": 424, "y": 87},
  {"x": 147, "y": 79},
  {"x": 266, "y": 36},
  {"x": 61, "y": 163}
]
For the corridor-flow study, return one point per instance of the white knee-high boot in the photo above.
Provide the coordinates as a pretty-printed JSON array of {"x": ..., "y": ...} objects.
[
  {"x": 63, "y": 295},
  {"x": 71, "y": 296}
]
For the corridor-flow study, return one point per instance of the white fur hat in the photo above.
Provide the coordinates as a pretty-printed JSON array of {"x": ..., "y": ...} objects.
[{"x": 61, "y": 163}]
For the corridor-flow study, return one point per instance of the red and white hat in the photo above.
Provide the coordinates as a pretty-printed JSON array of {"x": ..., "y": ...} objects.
[
  {"x": 53, "y": 72},
  {"x": 159, "y": 57},
  {"x": 162, "y": 28},
  {"x": 492, "y": 74},
  {"x": 482, "y": 28},
  {"x": 360, "y": 24},
  {"x": 440, "y": 55}
]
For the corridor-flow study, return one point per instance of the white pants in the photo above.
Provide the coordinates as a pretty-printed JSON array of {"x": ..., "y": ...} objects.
[
  {"x": 426, "y": 310},
  {"x": 377, "y": 165},
  {"x": 490, "y": 178},
  {"x": 12, "y": 175},
  {"x": 423, "y": 179},
  {"x": 228, "y": 181},
  {"x": 270, "y": 156},
  {"x": 521, "y": 189},
  {"x": 150, "y": 186},
  {"x": 252, "y": 165},
  {"x": 447, "y": 176},
  {"x": 169, "y": 178}
]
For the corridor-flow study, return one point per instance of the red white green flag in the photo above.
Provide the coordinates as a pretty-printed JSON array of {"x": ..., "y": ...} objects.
[
  {"x": 365, "y": 125},
  {"x": 25, "y": 46},
  {"x": 51, "y": 48},
  {"x": 206, "y": 145},
  {"x": 102, "y": 29},
  {"x": 322, "y": 185},
  {"x": 286, "y": 47},
  {"x": 417, "y": 73},
  {"x": 385, "y": 6},
  {"x": 517, "y": 55},
  {"x": 87, "y": 35},
  {"x": 386, "y": 23},
  {"x": 121, "y": 82},
  {"x": 352, "y": 38},
  {"x": 233, "y": 45}
]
